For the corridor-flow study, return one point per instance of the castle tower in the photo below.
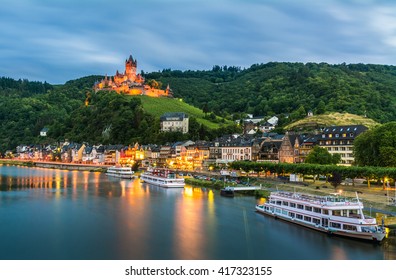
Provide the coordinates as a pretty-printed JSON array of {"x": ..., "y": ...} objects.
[{"x": 130, "y": 68}]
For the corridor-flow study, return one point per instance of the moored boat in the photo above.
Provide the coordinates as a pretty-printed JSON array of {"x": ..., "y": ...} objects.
[
  {"x": 163, "y": 178},
  {"x": 227, "y": 192},
  {"x": 332, "y": 214},
  {"x": 120, "y": 172}
]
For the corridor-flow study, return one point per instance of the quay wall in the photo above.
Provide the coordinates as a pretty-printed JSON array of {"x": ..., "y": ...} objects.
[{"x": 57, "y": 165}]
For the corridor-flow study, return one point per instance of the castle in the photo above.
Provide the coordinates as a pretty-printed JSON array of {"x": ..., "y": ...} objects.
[{"x": 130, "y": 82}]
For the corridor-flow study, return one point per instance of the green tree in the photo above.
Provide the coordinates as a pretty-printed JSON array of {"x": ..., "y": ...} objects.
[
  {"x": 376, "y": 147},
  {"x": 320, "y": 155},
  {"x": 321, "y": 108},
  {"x": 335, "y": 179}
]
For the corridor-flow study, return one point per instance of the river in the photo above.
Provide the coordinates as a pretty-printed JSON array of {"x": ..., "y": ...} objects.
[{"x": 50, "y": 214}]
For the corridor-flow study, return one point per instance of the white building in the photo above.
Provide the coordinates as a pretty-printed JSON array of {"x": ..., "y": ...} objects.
[{"x": 172, "y": 122}]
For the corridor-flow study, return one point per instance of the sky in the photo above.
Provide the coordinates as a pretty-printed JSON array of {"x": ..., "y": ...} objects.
[{"x": 60, "y": 40}]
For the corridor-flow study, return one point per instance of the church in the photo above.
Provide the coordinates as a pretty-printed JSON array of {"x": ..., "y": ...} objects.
[{"x": 130, "y": 83}]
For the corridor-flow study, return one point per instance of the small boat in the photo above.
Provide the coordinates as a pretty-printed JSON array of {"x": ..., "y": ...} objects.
[
  {"x": 120, "y": 172},
  {"x": 162, "y": 178},
  {"x": 227, "y": 192},
  {"x": 331, "y": 214}
]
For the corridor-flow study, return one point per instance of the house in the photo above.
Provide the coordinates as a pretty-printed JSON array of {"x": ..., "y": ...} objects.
[
  {"x": 173, "y": 122},
  {"x": 236, "y": 149},
  {"x": 273, "y": 120},
  {"x": 339, "y": 140},
  {"x": 269, "y": 150},
  {"x": 267, "y": 127},
  {"x": 44, "y": 132}
]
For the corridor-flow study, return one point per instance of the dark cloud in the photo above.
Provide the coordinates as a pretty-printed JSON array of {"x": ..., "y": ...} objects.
[{"x": 61, "y": 40}]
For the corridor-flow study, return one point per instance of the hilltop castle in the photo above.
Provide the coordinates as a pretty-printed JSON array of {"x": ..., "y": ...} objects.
[{"x": 130, "y": 82}]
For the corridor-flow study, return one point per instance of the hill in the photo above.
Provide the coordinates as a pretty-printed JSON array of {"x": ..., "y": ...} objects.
[
  {"x": 282, "y": 88},
  {"x": 161, "y": 105},
  {"x": 329, "y": 120}
]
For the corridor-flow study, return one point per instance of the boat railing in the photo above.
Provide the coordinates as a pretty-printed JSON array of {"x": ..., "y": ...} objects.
[{"x": 323, "y": 200}]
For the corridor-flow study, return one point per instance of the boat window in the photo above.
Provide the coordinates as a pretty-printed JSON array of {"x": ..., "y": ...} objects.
[
  {"x": 335, "y": 225},
  {"x": 300, "y": 206},
  {"x": 292, "y": 205},
  {"x": 291, "y": 214},
  {"x": 277, "y": 210},
  {"x": 307, "y": 219},
  {"x": 336, "y": 212},
  {"x": 353, "y": 214},
  {"x": 316, "y": 221},
  {"x": 325, "y": 212},
  {"x": 317, "y": 210},
  {"x": 284, "y": 212},
  {"x": 308, "y": 208},
  {"x": 349, "y": 227},
  {"x": 285, "y": 203},
  {"x": 298, "y": 216}
]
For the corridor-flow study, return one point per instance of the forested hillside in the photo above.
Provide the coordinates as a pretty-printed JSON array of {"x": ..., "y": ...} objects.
[
  {"x": 284, "y": 88},
  {"x": 288, "y": 90},
  {"x": 108, "y": 118}
]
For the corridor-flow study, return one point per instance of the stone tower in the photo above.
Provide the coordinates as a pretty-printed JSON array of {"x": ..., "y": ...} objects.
[{"x": 130, "y": 68}]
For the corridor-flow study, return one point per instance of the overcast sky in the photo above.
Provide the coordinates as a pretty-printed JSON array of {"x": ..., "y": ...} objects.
[{"x": 60, "y": 40}]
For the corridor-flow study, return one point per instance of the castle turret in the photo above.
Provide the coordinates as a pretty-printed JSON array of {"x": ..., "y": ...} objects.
[{"x": 130, "y": 68}]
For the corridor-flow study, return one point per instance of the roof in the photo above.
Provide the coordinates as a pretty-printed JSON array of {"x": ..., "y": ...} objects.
[
  {"x": 45, "y": 129},
  {"x": 173, "y": 116},
  {"x": 342, "y": 132}
]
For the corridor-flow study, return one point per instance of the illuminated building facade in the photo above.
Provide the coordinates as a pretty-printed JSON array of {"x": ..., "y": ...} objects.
[{"x": 130, "y": 82}]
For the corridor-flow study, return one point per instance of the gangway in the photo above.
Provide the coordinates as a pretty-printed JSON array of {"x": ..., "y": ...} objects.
[{"x": 248, "y": 188}]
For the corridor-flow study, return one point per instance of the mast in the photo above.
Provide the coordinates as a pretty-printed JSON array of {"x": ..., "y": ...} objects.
[{"x": 360, "y": 208}]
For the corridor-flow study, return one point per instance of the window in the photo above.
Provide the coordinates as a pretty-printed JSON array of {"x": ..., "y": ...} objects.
[
  {"x": 307, "y": 219},
  {"x": 336, "y": 213},
  {"x": 285, "y": 203},
  {"x": 325, "y": 212},
  {"x": 335, "y": 225},
  {"x": 298, "y": 216},
  {"x": 278, "y": 202},
  {"x": 300, "y": 206},
  {"x": 316, "y": 221},
  {"x": 349, "y": 227},
  {"x": 292, "y": 205},
  {"x": 317, "y": 210},
  {"x": 308, "y": 208}
]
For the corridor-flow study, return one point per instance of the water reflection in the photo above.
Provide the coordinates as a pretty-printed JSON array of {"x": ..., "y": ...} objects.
[{"x": 87, "y": 215}]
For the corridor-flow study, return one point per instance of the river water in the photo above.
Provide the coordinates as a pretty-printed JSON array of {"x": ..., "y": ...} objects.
[{"x": 50, "y": 214}]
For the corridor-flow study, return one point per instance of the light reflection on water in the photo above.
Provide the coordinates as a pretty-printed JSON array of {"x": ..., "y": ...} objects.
[{"x": 57, "y": 214}]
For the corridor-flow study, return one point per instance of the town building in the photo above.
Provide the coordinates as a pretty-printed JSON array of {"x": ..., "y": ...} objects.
[
  {"x": 339, "y": 140},
  {"x": 174, "y": 122},
  {"x": 44, "y": 132}
]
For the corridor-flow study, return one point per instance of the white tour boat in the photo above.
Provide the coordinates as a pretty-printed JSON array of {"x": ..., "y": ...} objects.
[
  {"x": 332, "y": 214},
  {"x": 120, "y": 172},
  {"x": 163, "y": 178}
]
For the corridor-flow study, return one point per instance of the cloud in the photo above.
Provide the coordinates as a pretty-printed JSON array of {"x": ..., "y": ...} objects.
[{"x": 61, "y": 40}]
